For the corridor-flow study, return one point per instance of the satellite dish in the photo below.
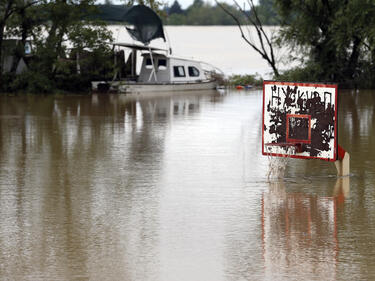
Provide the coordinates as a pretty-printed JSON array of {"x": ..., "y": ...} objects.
[{"x": 147, "y": 25}]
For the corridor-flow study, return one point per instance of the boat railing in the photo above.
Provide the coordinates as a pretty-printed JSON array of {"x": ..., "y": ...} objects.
[
  {"x": 212, "y": 72},
  {"x": 211, "y": 68}
]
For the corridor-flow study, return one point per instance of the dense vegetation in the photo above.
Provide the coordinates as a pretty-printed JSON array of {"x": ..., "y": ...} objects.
[
  {"x": 244, "y": 80},
  {"x": 333, "y": 39},
  {"x": 198, "y": 13},
  {"x": 61, "y": 31}
]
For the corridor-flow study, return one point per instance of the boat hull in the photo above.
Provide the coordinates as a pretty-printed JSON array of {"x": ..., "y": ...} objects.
[{"x": 124, "y": 87}]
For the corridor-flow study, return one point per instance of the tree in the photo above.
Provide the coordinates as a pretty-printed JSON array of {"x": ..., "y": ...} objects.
[
  {"x": 198, "y": 3},
  {"x": 266, "y": 45},
  {"x": 267, "y": 13},
  {"x": 9, "y": 8},
  {"x": 155, "y": 5},
  {"x": 60, "y": 30},
  {"x": 333, "y": 36},
  {"x": 175, "y": 8},
  {"x": 200, "y": 13},
  {"x": 176, "y": 19}
]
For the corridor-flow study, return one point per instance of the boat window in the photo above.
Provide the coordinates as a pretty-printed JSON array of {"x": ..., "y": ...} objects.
[
  {"x": 149, "y": 63},
  {"x": 27, "y": 48},
  {"x": 179, "y": 71},
  {"x": 162, "y": 64},
  {"x": 193, "y": 71}
]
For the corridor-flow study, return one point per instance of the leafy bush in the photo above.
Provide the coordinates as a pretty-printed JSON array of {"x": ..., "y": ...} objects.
[
  {"x": 74, "y": 83},
  {"x": 253, "y": 80},
  {"x": 32, "y": 82},
  {"x": 6, "y": 81},
  {"x": 312, "y": 73},
  {"x": 309, "y": 73}
]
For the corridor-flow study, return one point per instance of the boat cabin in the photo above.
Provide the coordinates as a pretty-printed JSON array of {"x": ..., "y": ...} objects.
[
  {"x": 156, "y": 66},
  {"x": 163, "y": 69},
  {"x": 157, "y": 71}
]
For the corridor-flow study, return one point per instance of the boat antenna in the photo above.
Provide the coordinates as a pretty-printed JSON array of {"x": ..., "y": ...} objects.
[
  {"x": 168, "y": 41},
  {"x": 153, "y": 72},
  {"x": 118, "y": 33}
]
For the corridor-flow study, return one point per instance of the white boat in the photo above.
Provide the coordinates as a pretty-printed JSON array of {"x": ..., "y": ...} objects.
[{"x": 159, "y": 71}]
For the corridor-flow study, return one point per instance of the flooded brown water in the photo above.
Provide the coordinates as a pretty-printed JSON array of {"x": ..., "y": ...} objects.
[{"x": 112, "y": 187}]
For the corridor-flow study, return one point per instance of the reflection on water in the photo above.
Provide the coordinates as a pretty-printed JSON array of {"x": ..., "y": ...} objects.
[
  {"x": 299, "y": 232},
  {"x": 77, "y": 174},
  {"x": 116, "y": 187}
]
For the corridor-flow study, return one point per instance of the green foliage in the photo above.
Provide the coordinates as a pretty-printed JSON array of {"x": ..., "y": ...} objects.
[
  {"x": 156, "y": 5},
  {"x": 32, "y": 82},
  {"x": 111, "y": 13},
  {"x": 197, "y": 4},
  {"x": 201, "y": 13},
  {"x": 6, "y": 82},
  {"x": 60, "y": 30},
  {"x": 334, "y": 39},
  {"x": 267, "y": 12},
  {"x": 74, "y": 83},
  {"x": 243, "y": 80},
  {"x": 176, "y": 19},
  {"x": 175, "y": 8},
  {"x": 90, "y": 35},
  {"x": 309, "y": 73}
]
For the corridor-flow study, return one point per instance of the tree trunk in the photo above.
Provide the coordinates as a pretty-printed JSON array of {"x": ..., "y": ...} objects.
[
  {"x": 275, "y": 70},
  {"x": 2, "y": 27},
  {"x": 7, "y": 13},
  {"x": 266, "y": 48},
  {"x": 353, "y": 60}
]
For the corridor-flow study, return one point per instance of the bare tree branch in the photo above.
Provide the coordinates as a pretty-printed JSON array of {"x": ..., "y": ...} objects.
[
  {"x": 266, "y": 46},
  {"x": 260, "y": 25},
  {"x": 260, "y": 37},
  {"x": 240, "y": 27}
]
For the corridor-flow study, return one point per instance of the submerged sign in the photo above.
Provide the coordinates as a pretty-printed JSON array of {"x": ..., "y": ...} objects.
[{"x": 303, "y": 114}]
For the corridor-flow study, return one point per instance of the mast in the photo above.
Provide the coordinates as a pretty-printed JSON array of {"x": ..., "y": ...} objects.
[{"x": 153, "y": 71}]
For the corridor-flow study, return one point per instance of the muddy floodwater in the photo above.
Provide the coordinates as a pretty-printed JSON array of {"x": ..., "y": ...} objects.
[{"x": 116, "y": 187}]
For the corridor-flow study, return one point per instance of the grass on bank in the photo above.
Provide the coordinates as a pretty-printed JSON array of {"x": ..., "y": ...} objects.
[{"x": 244, "y": 80}]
